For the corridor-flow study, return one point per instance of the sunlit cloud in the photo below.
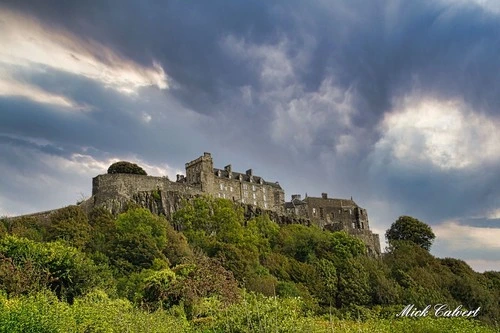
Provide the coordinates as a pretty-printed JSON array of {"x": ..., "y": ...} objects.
[
  {"x": 10, "y": 87},
  {"x": 446, "y": 134},
  {"x": 29, "y": 43},
  {"x": 461, "y": 237}
]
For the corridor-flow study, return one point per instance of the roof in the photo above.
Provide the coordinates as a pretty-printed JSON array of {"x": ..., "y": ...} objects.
[
  {"x": 334, "y": 201},
  {"x": 244, "y": 177}
]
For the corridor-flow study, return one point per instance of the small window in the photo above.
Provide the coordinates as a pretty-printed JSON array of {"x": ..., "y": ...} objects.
[
  {"x": 265, "y": 197},
  {"x": 231, "y": 188},
  {"x": 221, "y": 187},
  {"x": 245, "y": 194},
  {"x": 254, "y": 196},
  {"x": 255, "y": 203},
  {"x": 354, "y": 225},
  {"x": 264, "y": 189},
  {"x": 362, "y": 225},
  {"x": 245, "y": 186},
  {"x": 265, "y": 205},
  {"x": 253, "y": 187},
  {"x": 243, "y": 200},
  {"x": 314, "y": 211}
]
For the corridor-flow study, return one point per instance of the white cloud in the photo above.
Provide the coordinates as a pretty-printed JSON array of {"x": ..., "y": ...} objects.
[
  {"x": 482, "y": 265},
  {"x": 28, "y": 43},
  {"x": 11, "y": 87},
  {"x": 461, "y": 237},
  {"x": 446, "y": 134}
]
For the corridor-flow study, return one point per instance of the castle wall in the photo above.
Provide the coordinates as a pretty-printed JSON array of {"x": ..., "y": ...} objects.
[{"x": 159, "y": 194}]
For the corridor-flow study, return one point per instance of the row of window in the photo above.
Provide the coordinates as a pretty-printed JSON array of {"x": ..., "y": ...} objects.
[{"x": 245, "y": 187}]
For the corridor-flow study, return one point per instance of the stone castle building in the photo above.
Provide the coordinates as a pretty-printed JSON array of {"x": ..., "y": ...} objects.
[
  {"x": 335, "y": 215},
  {"x": 163, "y": 196},
  {"x": 245, "y": 188}
]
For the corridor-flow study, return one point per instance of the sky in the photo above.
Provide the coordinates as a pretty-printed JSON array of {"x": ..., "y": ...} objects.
[{"x": 395, "y": 103}]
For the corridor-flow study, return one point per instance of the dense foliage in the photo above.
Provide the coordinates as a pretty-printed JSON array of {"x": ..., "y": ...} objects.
[
  {"x": 407, "y": 228},
  {"x": 126, "y": 167},
  {"x": 211, "y": 270}
]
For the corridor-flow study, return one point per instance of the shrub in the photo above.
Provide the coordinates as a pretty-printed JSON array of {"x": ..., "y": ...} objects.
[{"x": 126, "y": 167}]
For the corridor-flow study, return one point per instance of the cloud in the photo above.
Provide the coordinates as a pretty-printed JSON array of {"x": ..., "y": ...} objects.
[
  {"x": 444, "y": 134},
  {"x": 482, "y": 265},
  {"x": 28, "y": 42},
  {"x": 393, "y": 102},
  {"x": 463, "y": 237}
]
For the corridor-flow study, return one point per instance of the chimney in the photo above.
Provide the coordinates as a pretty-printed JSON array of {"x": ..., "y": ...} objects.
[
  {"x": 228, "y": 168},
  {"x": 205, "y": 154},
  {"x": 249, "y": 172},
  {"x": 324, "y": 195},
  {"x": 180, "y": 177},
  {"x": 295, "y": 196}
]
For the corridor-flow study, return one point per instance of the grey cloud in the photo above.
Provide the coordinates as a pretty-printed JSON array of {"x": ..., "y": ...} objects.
[{"x": 379, "y": 50}]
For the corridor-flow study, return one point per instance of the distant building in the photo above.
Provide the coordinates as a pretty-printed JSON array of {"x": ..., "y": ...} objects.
[
  {"x": 335, "y": 215},
  {"x": 245, "y": 188}
]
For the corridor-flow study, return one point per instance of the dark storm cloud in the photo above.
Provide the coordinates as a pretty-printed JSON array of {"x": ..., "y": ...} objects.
[
  {"x": 111, "y": 121},
  {"x": 383, "y": 49},
  {"x": 323, "y": 60}
]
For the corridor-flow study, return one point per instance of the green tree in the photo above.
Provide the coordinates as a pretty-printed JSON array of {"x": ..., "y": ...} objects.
[
  {"x": 407, "y": 228},
  {"x": 126, "y": 167},
  {"x": 69, "y": 224},
  {"x": 64, "y": 269},
  {"x": 140, "y": 238}
]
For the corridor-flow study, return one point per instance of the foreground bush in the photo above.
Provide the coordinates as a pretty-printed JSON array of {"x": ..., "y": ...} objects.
[{"x": 43, "y": 312}]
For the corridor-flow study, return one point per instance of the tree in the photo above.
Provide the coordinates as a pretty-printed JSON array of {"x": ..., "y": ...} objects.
[
  {"x": 126, "y": 167},
  {"x": 407, "y": 228},
  {"x": 69, "y": 224}
]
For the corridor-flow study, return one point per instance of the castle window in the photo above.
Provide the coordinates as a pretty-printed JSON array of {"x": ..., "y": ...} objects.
[
  {"x": 362, "y": 225},
  {"x": 218, "y": 195},
  {"x": 265, "y": 205},
  {"x": 264, "y": 189},
  {"x": 243, "y": 200},
  {"x": 350, "y": 211},
  {"x": 224, "y": 195},
  {"x": 245, "y": 186},
  {"x": 314, "y": 211},
  {"x": 253, "y": 187},
  {"x": 221, "y": 186},
  {"x": 254, "y": 196},
  {"x": 265, "y": 197},
  {"x": 255, "y": 203},
  {"x": 245, "y": 194},
  {"x": 231, "y": 188},
  {"x": 354, "y": 225}
]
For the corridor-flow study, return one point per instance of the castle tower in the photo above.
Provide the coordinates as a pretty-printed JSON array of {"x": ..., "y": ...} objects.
[{"x": 200, "y": 173}]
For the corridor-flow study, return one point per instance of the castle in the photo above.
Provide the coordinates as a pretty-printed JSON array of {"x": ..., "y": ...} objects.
[{"x": 162, "y": 196}]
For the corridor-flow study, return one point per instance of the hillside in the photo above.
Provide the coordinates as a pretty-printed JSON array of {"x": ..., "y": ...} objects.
[{"x": 209, "y": 268}]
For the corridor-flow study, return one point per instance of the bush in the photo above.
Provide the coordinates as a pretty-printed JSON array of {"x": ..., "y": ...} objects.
[{"x": 126, "y": 167}]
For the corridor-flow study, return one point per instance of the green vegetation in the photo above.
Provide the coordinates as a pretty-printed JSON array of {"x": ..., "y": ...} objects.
[
  {"x": 126, "y": 167},
  {"x": 409, "y": 229},
  {"x": 210, "y": 270}
]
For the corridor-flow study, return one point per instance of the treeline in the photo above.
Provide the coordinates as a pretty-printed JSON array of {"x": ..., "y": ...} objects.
[{"x": 210, "y": 269}]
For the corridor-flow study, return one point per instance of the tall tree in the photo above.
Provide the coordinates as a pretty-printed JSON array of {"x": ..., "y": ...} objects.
[{"x": 407, "y": 228}]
